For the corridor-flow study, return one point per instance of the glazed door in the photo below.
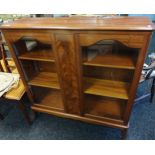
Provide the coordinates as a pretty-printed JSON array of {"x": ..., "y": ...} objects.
[
  {"x": 111, "y": 67},
  {"x": 33, "y": 53}
]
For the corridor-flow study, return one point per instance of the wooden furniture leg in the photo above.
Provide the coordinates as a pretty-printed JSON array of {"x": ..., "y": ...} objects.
[
  {"x": 1, "y": 117},
  {"x": 152, "y": 90},
  {"x": 24, "y": 111},
  {"x": 124, "y": 134}
]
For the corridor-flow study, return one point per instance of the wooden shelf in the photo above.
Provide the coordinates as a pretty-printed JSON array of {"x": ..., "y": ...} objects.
[
  {"x": 123, "y": 61},
  {"x": 45, "y": 79},
  {"x": 38, "y": 55},
  {"x": 97, "y": 106},
  {"x": 107, "y": 88},
  {"x": 48, "y": 98}
]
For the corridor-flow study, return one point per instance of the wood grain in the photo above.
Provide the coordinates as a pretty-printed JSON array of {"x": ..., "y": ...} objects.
[
  {"x": 48, "y": 98},
  {"x": 110, "y": 76},
  {"x": 107, "y": 88},
  {"x": 87, "y": 119},
  {"x": 38, "y": 55},
  {"x": 113, "y": 74},
  {"x": 16, "y": 93},
  {"x": 67, "y": 64},
  {"x": 9, "y": 41},
  {"x": 112, "y": 60},
  {"x": 126, "y": 38},
  {"x": 104, "y": 107},
  {"x": 94, "y": 23},
  {"x": 45, "y": 79},
  {"x": 136, "y": 78}
]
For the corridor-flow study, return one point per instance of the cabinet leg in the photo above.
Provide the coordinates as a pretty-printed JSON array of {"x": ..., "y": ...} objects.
[
  {"x": 23, "y": 108},
  {"x": 124, "y": 134},
  {"x": 36, "y": 114}
]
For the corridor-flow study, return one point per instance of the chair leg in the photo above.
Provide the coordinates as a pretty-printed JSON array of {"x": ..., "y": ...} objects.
[
  {"x": 24, "y": 111},
  {"x": 152, "y": 90},
  {"x": 1, "y": 117}
]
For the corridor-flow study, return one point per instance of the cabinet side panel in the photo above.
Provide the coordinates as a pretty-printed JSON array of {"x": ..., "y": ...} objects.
[
  {"x": 10, "y": 39},
  {"x": 68, "y": 71},
  {"x": 136, "y": 77}
]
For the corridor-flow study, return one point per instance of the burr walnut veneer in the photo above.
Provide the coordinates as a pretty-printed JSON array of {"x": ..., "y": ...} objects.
[{"x": 86, "y": 69}]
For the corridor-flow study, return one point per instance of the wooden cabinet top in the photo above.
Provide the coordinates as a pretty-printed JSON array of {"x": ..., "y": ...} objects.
[{"x": 83, "y": 23}]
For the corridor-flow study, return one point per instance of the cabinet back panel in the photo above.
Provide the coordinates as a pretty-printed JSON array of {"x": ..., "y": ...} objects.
[
  {"x": 104, "y": 107},
  {"x": 108, "y": 73},
  {"x": 47, "y": 67},
  {"x": 33, "y": 67}
]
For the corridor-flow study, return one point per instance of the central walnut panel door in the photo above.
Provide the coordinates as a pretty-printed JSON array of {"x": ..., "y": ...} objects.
[{"x": 67, "y": 62}]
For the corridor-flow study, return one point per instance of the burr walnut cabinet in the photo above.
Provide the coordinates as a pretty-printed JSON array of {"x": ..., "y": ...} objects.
[{"x": 82, "y": 68}]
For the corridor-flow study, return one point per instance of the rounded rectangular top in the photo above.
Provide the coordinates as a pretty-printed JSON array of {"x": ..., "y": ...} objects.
[{"x": 82, "y": 23}]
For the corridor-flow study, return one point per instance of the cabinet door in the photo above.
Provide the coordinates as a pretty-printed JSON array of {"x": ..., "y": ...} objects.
[
  {"x": 67, "y": 62},
  {"x": 111, "y": 67},
  {"x": 35, "y": 59}
]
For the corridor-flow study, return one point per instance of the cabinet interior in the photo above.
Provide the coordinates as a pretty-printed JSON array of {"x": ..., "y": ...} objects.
[
  {"x": 32, "y": 49},
  {"x": 48, "y": 98},
  {"x": 38, "y": 64},
  {"x": 106, "y": 107},
  {"x": 108, "y": 68}
]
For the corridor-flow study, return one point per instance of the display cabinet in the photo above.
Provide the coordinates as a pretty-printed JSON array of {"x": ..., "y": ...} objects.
[{"x": 86, "y": 69}]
